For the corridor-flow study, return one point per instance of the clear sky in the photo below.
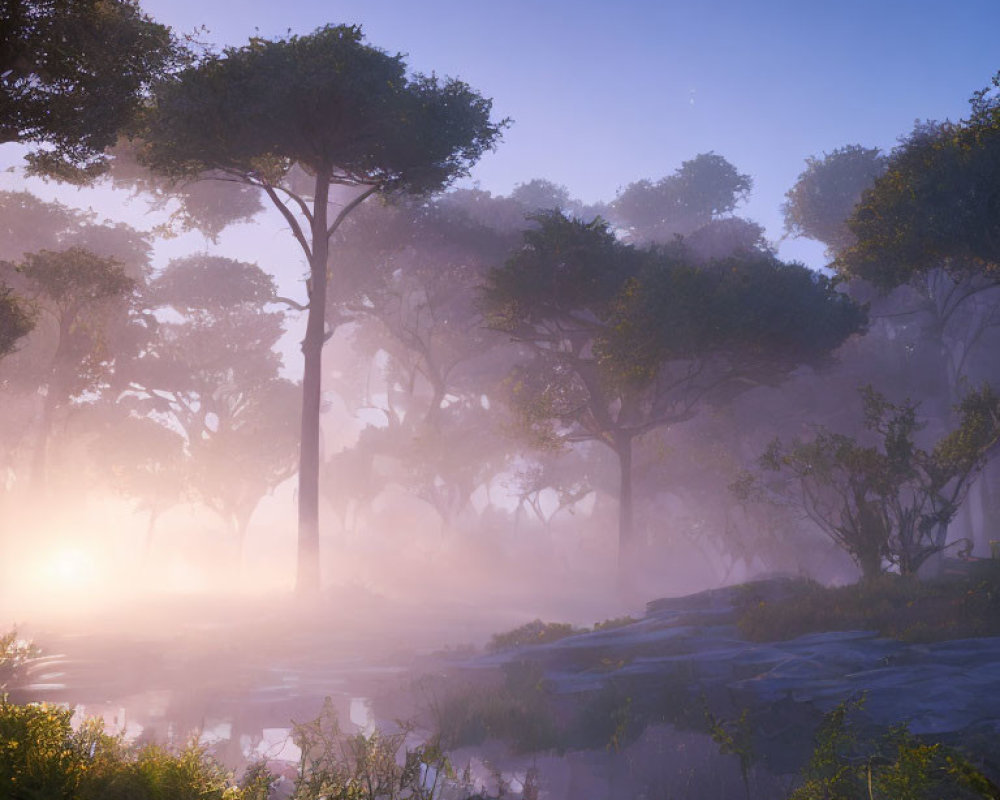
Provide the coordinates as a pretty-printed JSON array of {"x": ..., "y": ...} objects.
[{"x": 602, "y": 94}]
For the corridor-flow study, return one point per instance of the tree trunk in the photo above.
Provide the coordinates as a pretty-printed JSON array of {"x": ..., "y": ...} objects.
[
  {"x": 870, "y": 562},
  {"x": 307, "y": 577},
  {"x": 626, "y": 526}
]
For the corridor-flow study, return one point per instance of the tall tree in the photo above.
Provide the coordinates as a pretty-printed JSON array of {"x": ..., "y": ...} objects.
[
  {"x": 209, "y": 367},
  {"x": 705, "y": 188},
  {"x": 295, "y": 117},
  {"x": 410, "y": 279},
  {"x": 627, "y": 341},
  {"x": 826, "y": 193},
  {"x": 936, "y": 205},
  {"x": 73, "y": 73},
  {"x": 101, "y": 332}
]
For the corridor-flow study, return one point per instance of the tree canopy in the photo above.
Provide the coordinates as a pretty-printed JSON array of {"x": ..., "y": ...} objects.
[
  {"x": 626, "y": 341},
  {"x": 825, "y": 194},
  {"x": 73, "y": 73},
  {"x": 328, "y": 102},
  {"x": 702, "y": 189},
  {"x": 935, "y": 206}
]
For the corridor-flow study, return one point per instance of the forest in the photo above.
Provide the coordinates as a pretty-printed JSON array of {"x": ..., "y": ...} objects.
[{"x": 529, "y": 403}]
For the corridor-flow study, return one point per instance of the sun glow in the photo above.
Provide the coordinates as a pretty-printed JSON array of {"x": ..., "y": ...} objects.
[{"x": 72, "y": 567}]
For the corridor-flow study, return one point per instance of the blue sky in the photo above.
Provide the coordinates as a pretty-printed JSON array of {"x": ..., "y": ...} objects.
[{"x": 603, "y": 94}]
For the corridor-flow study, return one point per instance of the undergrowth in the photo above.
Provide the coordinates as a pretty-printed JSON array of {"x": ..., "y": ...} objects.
[{"x": 907, "y": 609}]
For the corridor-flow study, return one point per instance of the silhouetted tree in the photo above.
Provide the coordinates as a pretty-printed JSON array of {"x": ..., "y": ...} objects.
[
  {"x": 700, "y": 190},
  {"x": 143, "y": 460},
  {"x": 295, "y": 117},
  {"x": 78, "y": 293},
  {"x": 101, "y": 332},
  {"x": 412, "y": 273},
  {"x": 889, "y": 502},
  {"x": 826, "y": 193},
  {"x": 935, "y": 206},
  {"x": 626, "y": 341},
  {"x": 210, "y": 368}
]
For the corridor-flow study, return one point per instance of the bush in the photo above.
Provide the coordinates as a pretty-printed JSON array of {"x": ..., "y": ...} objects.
[
  {"x": 535, "y": 632},
  {"x": 41, "y": 756},
  {"x": 903, "y": 608},
  {"x": 893, "y": 766}
]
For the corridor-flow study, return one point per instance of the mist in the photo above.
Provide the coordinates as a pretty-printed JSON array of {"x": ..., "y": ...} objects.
[{"x": 322, "y": 447}]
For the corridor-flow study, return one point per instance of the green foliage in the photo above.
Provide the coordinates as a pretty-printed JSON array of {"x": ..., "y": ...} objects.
[
  {"x": 74, "y": 277},
  {"x": 625, "y": 341},
  {"x": 825, "y": 194},
  {"x": 329, "y": 102},
  {"x": 566, "y": 270},
  {"x": 81, "y": 297},
  {"x": 764, "y": 317},
  {"x": 374, "y": 766},
  {"x": 205, "y": 282},
  {"x": 894, "y": 766},
  {"x": 898, "y": 607},
  {"x": 935, "y": 206},
  {"x": 43, "y": 758},
  {"x": 74, "y": 74},
  {"x": 700, "y": 190},
  {"x": 734, "y": 737},
  {"x": 890, "y": 502},
  {"x": 531, "y": 633}
]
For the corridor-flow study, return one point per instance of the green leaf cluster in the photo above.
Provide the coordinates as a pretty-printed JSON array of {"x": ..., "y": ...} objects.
[
  {"x": 936, "y": 205},
  {"x": 327, "y": 102},
  {"x": 73, "y": 73},
  {"x": 42, "y": 756},
  {"x": 847, "y": 765}
]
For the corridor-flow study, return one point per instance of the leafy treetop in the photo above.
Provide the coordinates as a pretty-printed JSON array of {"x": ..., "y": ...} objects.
[
  {"x": 328, "y": 102},
  {"x": 73, "y": 73},
  {"x": 936, "y": 205}
]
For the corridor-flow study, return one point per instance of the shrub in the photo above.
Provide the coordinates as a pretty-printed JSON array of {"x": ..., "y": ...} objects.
[
  {"x": 535, "y": 632},
  {"x": 41, "y": 756},
  {"x": 895, "y": 766},
  {"x": 900, "y": 607}
]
